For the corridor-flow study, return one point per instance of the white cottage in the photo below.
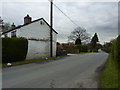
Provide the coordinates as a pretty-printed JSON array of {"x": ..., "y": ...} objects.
[{"x": 38, "y": 34}]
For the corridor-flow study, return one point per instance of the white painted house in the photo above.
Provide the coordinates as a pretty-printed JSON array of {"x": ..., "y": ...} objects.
[{"x": 38, "y": 34}]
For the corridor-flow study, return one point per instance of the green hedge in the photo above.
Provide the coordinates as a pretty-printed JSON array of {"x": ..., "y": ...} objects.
[
  {"x": 118, "y": 49},
  {"x": 14, "y": 49},
  {"x": 109, "y": 77},
  {"x": 115, "y": 49},
  {"x": 82, "y": 48}
]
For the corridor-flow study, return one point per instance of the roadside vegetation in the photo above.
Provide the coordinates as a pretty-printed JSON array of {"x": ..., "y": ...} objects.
[
  {"x": 4, "y": 65},
  {"x": 14, "y": 49},
  {"x": 109, "y": 77}
]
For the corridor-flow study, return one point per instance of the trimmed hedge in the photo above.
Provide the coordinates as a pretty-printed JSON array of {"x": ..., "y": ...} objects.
[{"x": 14, "y": 49}]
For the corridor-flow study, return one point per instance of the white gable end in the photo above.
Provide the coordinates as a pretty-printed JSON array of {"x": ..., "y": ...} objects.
[{"x": 35, "y": 30}]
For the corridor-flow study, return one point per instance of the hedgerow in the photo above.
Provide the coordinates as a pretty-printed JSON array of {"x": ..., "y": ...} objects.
[
  {"x": 14, "y": 49},
  {"x": 115, "y": 49},
  {"x": 82, "y": 48}
]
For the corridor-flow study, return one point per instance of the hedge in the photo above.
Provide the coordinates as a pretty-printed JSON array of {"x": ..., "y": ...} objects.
[
  {"x": 118, "y": 49},
  {"x": 82, "y": 48},
  {"x": 61, "y": 52},
  {"x": 115, "y": 49},
  {"x": 14, "y": 49}
]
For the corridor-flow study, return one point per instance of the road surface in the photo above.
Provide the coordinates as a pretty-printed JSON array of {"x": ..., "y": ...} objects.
[{"x": 76, "y": 71}]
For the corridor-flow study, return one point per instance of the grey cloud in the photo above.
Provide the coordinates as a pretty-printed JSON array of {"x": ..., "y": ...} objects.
[
  {"x": 15, "y": 12},
  {"x": 95, "y": 17},
  {"x": 101, "y": 17}
]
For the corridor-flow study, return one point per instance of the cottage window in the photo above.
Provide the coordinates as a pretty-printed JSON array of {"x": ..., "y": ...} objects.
[
  {"x": 13, "y": 34},
  {"x": 42, "y": 23}
]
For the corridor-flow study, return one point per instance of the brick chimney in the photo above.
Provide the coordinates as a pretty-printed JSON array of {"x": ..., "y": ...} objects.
[
  {"x": 13, "y": 26},
  {"x": 27, "y": 19}
]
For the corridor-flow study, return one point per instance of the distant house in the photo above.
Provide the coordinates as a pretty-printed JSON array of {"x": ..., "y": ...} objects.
[{"x": 38, "y": 34}]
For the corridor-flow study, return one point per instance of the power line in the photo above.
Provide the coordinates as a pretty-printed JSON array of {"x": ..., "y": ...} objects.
[
  {"x": 66, "y": 15},
  {"x": 65, "y": 37}
]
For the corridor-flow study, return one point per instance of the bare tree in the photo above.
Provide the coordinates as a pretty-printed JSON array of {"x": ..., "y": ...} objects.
[
  {"x": 1, "y": 25},
  {"x": 79, "y": 33},
  {"x": 4, "y": 26},
  {"x": 1, "y": 21}
]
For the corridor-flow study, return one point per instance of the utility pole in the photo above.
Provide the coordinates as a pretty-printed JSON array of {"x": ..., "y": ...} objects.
[{"x": 51, "y": 24}]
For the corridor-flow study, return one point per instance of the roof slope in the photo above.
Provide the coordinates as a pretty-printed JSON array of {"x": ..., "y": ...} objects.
[{"x": 28, "y": 24}]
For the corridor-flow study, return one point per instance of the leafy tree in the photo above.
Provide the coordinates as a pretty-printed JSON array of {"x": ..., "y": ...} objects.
[
  {"x": 94, "y": 42},
  {"x": 79, "y": 34}
]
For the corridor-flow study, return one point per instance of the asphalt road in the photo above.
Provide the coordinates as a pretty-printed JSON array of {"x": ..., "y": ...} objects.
[{"x": 76, "y": 71}]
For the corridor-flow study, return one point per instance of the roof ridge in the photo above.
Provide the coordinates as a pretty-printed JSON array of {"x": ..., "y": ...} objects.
[{"x": 28, "y": 24}]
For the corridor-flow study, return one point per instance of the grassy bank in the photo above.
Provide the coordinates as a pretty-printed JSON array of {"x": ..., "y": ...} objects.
[
  {"x": 109, "y": 76},
  {"x": 32, "y": 61}
]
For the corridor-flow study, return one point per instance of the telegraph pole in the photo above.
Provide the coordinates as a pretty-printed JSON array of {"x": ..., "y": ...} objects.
[{"x": 51, "y": 24}]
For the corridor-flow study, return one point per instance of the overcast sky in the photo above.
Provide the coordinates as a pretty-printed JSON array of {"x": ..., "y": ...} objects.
[{"x": 95, "y": 17}]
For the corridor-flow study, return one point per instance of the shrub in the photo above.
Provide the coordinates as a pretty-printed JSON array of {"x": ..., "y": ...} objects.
[
  {"x": 82, "y": 48},
  {"x": 115, "y": 49},
  {"x": 61, "y": 52},
  {"x": 14, "y": 49},
  {"x": 118, "y": 49}
]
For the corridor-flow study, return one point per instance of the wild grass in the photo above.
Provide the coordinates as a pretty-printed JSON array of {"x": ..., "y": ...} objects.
[
  {"x": 4, "y": 65},
  {"x": 109, "y": 76}
]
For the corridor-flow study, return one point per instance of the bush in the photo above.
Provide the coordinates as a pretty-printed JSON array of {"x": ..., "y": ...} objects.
[
  {"x": 61, "y": 52},
  {"x": 82, "y": 48},
  {"x": 14, "y": 49},
  {"x": 115, "y": 49},
  {"x": 106, "y": 49}
]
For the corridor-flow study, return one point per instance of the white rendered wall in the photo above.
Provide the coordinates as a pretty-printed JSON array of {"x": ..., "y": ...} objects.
[
  {"x": 37, "y": 49},
  {"x": 9, "y": 34}
]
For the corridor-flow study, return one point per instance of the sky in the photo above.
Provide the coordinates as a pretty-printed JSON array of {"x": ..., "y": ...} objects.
[{"x": 95, "y": 17}]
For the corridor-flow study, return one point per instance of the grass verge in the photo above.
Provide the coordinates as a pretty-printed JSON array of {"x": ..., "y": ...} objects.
[
  {"x": 32, "y": 61},
  {"x": 109, "y": 75},
  {"x": 81, "y": 53}
]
